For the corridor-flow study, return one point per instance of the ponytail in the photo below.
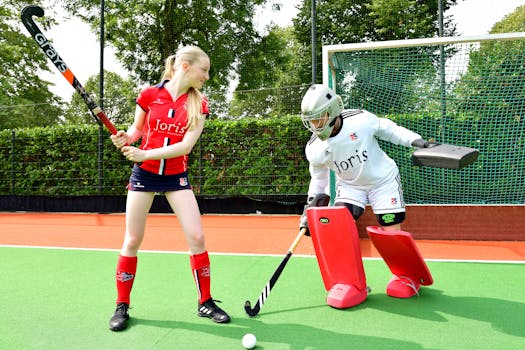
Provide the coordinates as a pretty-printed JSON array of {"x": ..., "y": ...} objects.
[
  {"x": 168, "y": 67},
  {"x": 190, "y": 54}
]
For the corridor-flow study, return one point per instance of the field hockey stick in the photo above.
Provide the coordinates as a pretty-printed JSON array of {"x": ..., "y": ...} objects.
[
  {"x": 27, "y": 18},
  {"x": 320, "y": 200},
  {"x": 266, "y": 290}
]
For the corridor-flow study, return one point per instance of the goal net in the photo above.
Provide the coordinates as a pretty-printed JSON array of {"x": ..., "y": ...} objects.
[{"x": 468, "y": 91}]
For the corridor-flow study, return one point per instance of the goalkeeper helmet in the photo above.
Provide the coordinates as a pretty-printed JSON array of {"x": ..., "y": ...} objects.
[{"x": 319, "y": 109}]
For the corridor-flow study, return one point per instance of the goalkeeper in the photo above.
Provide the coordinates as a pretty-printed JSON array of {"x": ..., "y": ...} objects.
[{"x": 346, "y": 142}]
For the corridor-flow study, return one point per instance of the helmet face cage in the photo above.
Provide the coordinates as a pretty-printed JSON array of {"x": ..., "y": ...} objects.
[
  {"x": 322, "y": 120},
  {"x": 323, "y": 105}
]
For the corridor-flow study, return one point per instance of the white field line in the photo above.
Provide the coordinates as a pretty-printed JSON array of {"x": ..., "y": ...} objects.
[{"x": 250, "y": 254}]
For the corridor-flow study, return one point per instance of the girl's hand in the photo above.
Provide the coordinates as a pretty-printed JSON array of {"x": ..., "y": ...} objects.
[
  {"x": 133, "y": 153},
  {"x": 120, "y": 139}
]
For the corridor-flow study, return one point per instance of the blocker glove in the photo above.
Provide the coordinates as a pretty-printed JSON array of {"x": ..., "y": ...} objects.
[{"x": 421, "y": 143}]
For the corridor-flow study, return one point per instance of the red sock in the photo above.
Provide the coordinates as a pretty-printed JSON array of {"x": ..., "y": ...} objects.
[
  {"x": 200, "y": 265},
  {"x": 126, "y": 269}
]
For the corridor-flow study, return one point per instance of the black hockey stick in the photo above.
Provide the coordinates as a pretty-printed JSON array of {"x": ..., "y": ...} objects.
[
  {"x": 320, "y": 200},
  {"x": 266, "y": 291},
  {"x": 27, "y": 18}
]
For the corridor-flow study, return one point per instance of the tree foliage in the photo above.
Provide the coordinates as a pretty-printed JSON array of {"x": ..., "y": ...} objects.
[
  {"x": 337, "y": 21},
  {"x": 118, "y": 102},
  {"x": 513, "y": 22},
  {"x": 494, "y": 77},
  {"x": 343, "y": 21},
  {"x": 257, "y": 92},
  {"x": 144, "y": 33},
  {"x": 25, "y": 99}
]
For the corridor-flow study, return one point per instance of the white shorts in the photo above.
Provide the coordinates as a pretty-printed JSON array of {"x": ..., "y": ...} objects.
[{"x": 385, "y": 198}]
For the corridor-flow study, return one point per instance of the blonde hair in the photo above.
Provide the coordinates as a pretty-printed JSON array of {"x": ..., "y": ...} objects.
[{"x": 191, "y": 55}]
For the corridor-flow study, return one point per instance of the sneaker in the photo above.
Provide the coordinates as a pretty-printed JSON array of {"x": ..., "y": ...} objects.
[
  {"x": 209, "y": 309},
  {"x": 120, "y": 318}
]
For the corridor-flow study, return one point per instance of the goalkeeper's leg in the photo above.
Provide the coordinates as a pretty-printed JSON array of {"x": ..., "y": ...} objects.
[
  {"x": 338, "y": 251},
  {"x": 397, "y": 247},
  {"x": 400, "y": 253}
]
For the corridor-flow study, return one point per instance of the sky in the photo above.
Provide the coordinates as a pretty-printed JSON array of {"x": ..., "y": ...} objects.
[{"x": 80, "y": 49}]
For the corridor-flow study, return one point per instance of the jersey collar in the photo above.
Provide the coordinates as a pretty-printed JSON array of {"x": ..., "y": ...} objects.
[{"x": 161, "y": 84}]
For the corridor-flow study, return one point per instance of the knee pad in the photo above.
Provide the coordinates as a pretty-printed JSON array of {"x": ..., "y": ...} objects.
[
  {"x": 355, "y": 210},
  {"x": 390, "y": 218}
]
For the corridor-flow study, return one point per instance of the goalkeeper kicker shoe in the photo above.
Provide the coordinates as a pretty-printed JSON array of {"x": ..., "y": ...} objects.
[
  {"x": 120, "y": 318},
  {"x": 211, "y": 310}
]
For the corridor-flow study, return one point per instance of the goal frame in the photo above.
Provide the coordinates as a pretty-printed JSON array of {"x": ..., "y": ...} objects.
[{"x": 329, "y": 71}]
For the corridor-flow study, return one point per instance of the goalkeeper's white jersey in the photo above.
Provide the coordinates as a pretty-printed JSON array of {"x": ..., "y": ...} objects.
[{"x": 354, "y": 153}]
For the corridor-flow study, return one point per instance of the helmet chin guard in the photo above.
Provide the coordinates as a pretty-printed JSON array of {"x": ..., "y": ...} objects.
[{"x": 322, "y": 105}]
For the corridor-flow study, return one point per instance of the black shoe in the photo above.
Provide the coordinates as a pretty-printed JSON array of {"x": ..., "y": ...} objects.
[
  {"x": 209, "y": 309},
  {"x": 120, "y": 318}
]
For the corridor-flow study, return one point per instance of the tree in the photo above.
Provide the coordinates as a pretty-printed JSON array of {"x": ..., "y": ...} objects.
[
  {"x": 337, "y": 21},
  {"x": 144, "y": 33},
  {"x": 343, "y": 21},
  {"x": 25, "y": 99},
  {"x": 513, "y": 22},
  {"x": 491, "y": 94},
  {"x": 118, "y": 103},
  {"x": 271, "y": 54},
  {"x": 494, "y": 77},
  {"x": 265, "y": 69}
]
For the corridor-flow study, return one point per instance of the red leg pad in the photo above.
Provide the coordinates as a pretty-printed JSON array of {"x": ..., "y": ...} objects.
[
  {"x": 338, "y": 251},
  {"x": 400, "y": 253}
]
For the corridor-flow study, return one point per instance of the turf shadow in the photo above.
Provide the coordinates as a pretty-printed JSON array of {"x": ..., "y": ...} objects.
[
  {"x": 432, "y": 303},
  {"x": 297, "y": 336}
]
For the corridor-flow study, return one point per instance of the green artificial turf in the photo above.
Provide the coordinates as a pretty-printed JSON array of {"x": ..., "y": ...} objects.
[{"x": 58, "y": 299}]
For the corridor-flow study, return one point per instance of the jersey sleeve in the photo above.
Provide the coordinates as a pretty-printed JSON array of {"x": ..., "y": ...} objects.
[
  {"x": 320, "y": 179},
  {"x": 389, "y": 131},
  {"x": 145, "y": 97},
  {"x": 316, "y": 153}
]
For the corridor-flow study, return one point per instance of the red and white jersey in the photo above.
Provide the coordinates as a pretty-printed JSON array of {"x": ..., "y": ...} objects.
[
  {"x": 354, "y": 153},
  {"x": 166, "y": 124}
]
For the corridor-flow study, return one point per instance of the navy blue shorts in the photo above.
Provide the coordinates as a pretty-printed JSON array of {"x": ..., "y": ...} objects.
[{"x": 145, "y": 181}]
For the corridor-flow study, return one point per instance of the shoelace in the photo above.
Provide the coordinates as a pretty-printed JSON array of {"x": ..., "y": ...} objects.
[
  {"x": 122, "y": 309},
  {"x": 211, "y": 302},
  {"x": 410, "y": 283}
]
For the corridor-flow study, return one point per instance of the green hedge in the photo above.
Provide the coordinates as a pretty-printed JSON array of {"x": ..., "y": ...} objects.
[
  {"x": 251, "y": 157},
  {"x": 265, "y": 157},
  {"x": 245, "y": 157}
]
